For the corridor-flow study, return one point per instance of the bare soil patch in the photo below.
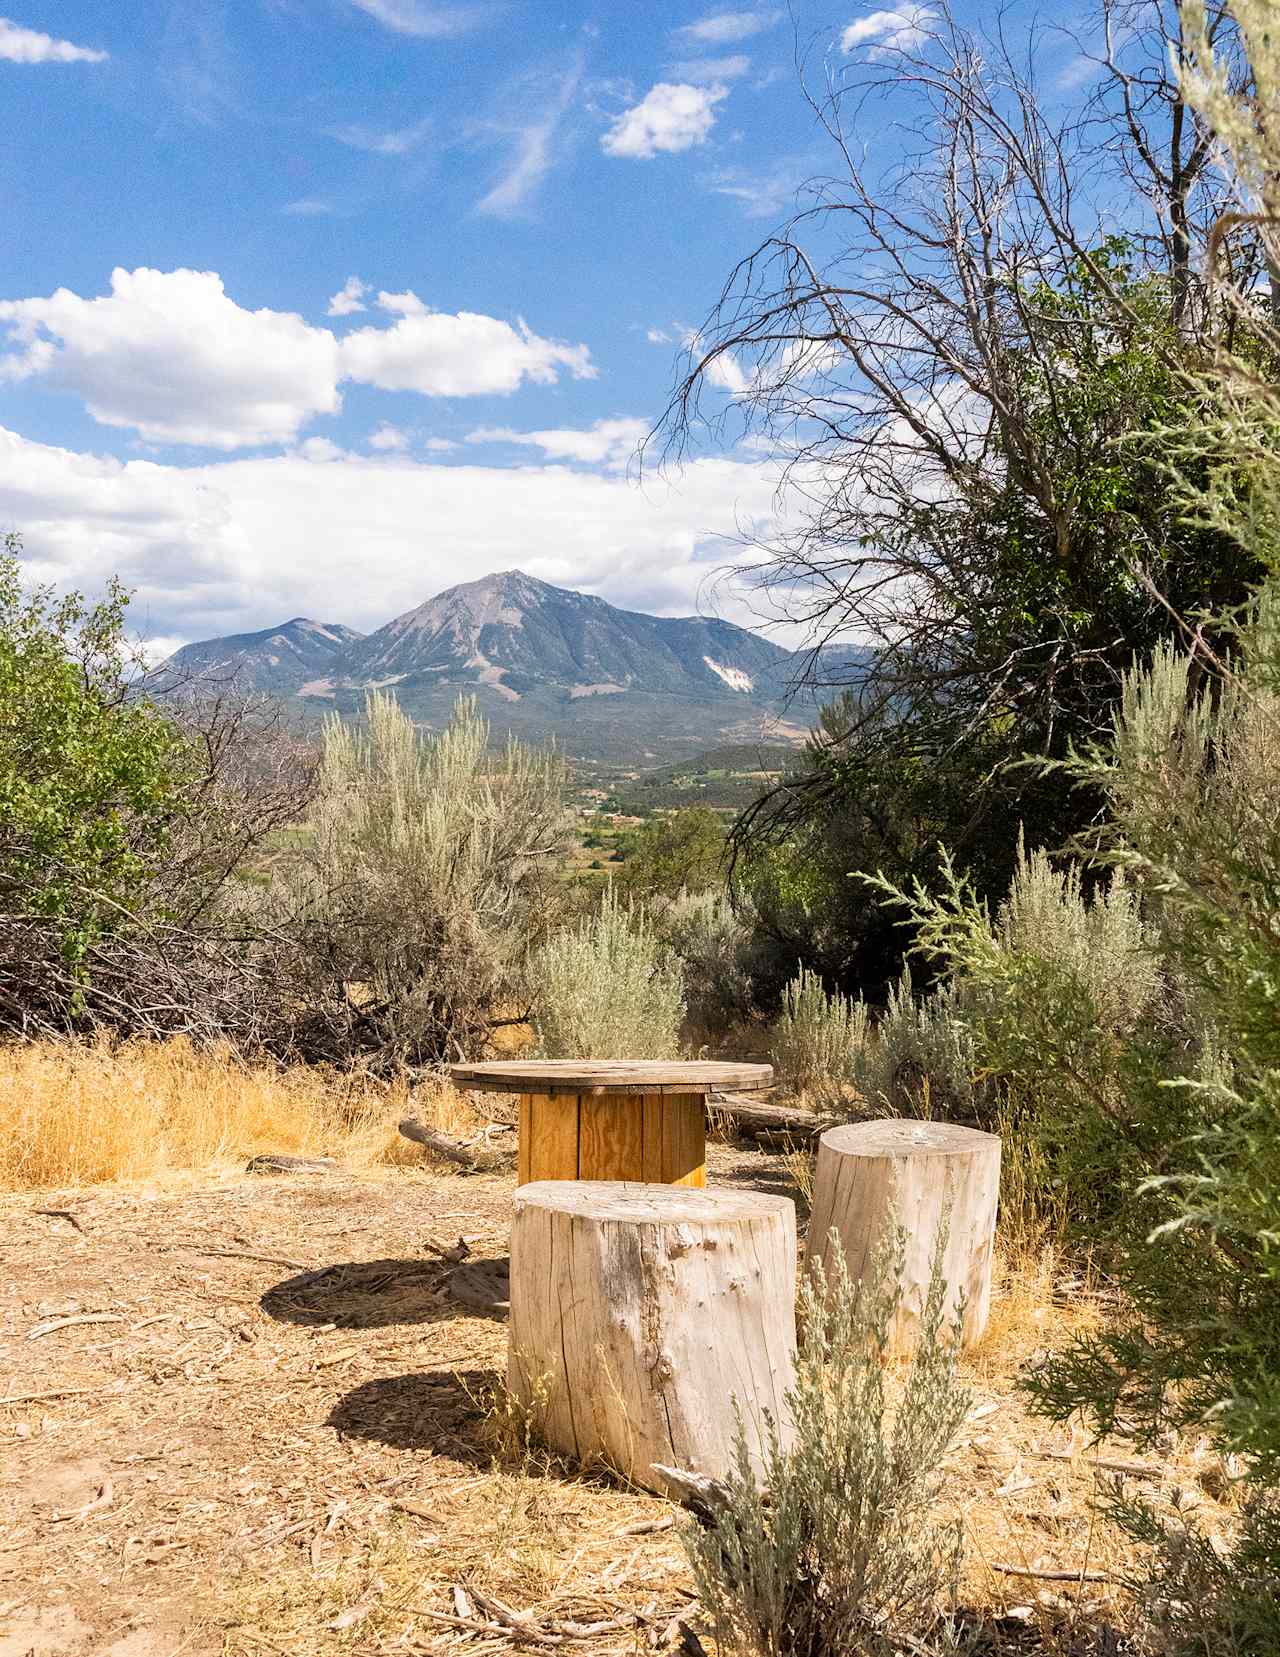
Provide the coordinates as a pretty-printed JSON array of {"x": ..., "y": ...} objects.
[{"x": 246, "y": 1416}]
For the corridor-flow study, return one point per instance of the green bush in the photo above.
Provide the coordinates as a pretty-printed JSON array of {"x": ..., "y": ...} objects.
[
  {"x": 839, "y": 1548},
  {"x": 94, "y": 780},
  {"x": 605, "y": 988}
]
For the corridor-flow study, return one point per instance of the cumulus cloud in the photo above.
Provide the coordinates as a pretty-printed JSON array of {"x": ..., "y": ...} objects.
[
  {"x": 171, "y": 355},
  {"x": 388, "y": 439},
  {"x": 724, "y": 28},
  {"x": 349, "y": 298},
  {"x": 168, "y": 353},
  {"x": 889, "y": 31},
  {"x": 610, "y": 443},
  {"x": 672, "y": 116},
  {"x": 424, "y": 18},
  {"x": 19, "y": 45},
  {"x": 239, "y": 544},
  {"x": 461, "y": 355}
]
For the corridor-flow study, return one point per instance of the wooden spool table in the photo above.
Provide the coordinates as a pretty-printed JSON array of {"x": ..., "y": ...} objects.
[{"x": 612, "y": 1118}]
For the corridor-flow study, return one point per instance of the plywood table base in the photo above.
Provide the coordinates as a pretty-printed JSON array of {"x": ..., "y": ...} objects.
[
  {"x": 613, "y": 1121},
  {"x": 655, "y": 1137}
]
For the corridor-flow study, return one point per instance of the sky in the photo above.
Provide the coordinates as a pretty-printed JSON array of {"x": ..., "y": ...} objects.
[{"x": 317, "y": 307}]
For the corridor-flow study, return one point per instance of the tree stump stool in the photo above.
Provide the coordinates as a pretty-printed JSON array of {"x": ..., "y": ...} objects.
[
  {"x": 640, "y": 1313},
  {"x": 612, "y": 1118},
  {"x": 874, "y": 1175}
]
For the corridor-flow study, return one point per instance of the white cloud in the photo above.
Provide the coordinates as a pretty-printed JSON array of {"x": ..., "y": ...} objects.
[
  {"x": 440, "y": 445},
  {"x": 240, "y": 544},
  {"x": 401, "y": 304},
  {"x": 889, "y": 31},
  {"x": 398, "y": 142},
  {"x": 761, "y": 195},
  {"x": 702, "y": 70},
  {"x": 388, "y": 439},
  {"x": 349, "y": 298},
  {"x": 724, "y": 370},
  {"x": 657, "y": 336},
  {"x": 456, "y": 356},
  {"x": 171, "y": 355},
  {"x": 19, "y": 45},
  {"x": 424, "y": 18},
  {"x": 310, "y": 207},
  {"x": 724, "y": 28},
  {"x": 670, "y": 117},
  {"x": 168, "y": 353},
  {"x": 610, "y": 443},
  {"x": 533, "y": 144}
]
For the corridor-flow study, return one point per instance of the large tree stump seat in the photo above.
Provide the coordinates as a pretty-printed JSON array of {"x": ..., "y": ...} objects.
[
  {"x": 640, "y": 1313},
  {"x": 917, "y": 1175},
  {"x": 612, "y": 1118}
]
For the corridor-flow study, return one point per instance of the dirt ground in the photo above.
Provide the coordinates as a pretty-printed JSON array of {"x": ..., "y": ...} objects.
[{"x": 244, "y": 1416}]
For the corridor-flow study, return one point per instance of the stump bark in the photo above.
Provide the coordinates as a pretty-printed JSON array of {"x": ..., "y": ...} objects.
[
  {"x": 917, "y": 1175},
  {"x": 640, "y": 1313}
]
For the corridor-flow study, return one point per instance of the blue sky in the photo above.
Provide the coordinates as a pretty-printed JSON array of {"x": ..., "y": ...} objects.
[{"x": 319, "y": 306}]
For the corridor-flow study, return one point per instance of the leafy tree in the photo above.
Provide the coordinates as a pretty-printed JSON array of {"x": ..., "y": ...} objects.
[
  {"x": 94, "y": 781},
  {"x": 670, "y": 855},
  {"x": 959, "y": 359}
]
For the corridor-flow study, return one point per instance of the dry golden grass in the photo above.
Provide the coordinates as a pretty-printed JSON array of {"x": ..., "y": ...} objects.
[{"x": 87, "y": 1113}]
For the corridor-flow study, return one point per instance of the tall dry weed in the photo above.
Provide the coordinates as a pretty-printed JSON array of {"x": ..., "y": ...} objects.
[{"x": 85, "y": 1113}]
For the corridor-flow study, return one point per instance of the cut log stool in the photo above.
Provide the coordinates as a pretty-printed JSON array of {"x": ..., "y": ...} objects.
[
  {"x": 916, "y": 1175},
  {"x": 612, "y": 1118},
  {"x": 639, "y": 1313}
]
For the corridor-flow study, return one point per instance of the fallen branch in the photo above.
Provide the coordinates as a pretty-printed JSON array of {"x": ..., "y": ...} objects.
[
  {"x": 242, "y": 1254},
  {"x": 754, "y": 1120},
  {"x": 57, "y": 1392},
  {"x": 59, "y": 1214},
  {"x": 105, "y": 1496},
  {"x": 54, "y": 1324},
  {"x": 706, "y": 1497},
  {"x": 1135, "y": 1469},
  {"x": 1053, "y": 1576},
  {"x": 278, "y": 1164},
  {"x": 477, "y": 1159}
]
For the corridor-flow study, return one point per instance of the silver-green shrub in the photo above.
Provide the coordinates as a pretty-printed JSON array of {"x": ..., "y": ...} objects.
[
  {"x": 817, "y": 1037},
  {"x": 921, "y": 1059},
  {"x": 714, "y": 941},
  {"x": 606, "y": 988},
  {"x": 403, "y": 916},
  {"x": 840, "y": 1548}
]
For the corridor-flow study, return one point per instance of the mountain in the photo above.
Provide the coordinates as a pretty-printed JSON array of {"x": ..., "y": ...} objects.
[
  {"x": 277, "y": 660},
  {"x": 545, "y": 663}
]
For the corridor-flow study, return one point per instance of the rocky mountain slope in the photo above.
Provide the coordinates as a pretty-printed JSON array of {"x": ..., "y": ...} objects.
[
  {"x": 545, "y": 663},
  {"x": 277, "y": 660}
]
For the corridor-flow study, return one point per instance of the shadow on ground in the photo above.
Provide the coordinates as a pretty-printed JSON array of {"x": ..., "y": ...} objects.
[
  {"x": 364, "y": 1294},
  {"x": 442, "y": 1410},
  {"x": 768, "y": 1181}
]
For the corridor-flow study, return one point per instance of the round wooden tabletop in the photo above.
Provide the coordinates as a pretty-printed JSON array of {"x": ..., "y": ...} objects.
[{"x": 604, "y": 1076}]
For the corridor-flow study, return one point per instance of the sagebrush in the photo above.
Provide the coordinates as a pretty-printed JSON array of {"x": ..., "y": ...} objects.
[
  {"x": 840, "y": 1546},
  {"x": 606, "y": 988}
]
